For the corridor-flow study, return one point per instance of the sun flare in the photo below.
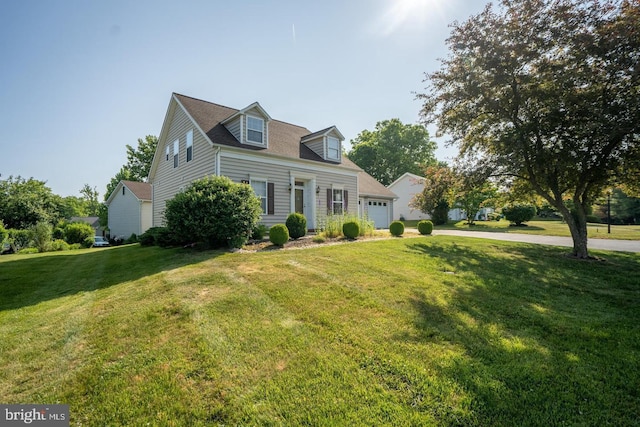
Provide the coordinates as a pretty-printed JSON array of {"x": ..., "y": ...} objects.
[{"x": 407, "y": 13}]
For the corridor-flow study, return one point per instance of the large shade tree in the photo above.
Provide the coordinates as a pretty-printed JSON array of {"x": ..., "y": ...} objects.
[
  {"x": 392, "y": 149},
  {"x": 546, "y": 92}
]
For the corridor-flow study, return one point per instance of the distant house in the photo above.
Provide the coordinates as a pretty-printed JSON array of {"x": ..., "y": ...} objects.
[
  {"x": 290, "y": 168},
  {"x": 129, "y": 208},
  {"x": 93, "y": 221},
  {"x": 407, "y": 186}
]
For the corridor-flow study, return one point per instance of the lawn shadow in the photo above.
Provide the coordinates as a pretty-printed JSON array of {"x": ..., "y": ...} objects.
[
  {"x": 543, "y": 339},
  {"x": 28, "y": 280}
]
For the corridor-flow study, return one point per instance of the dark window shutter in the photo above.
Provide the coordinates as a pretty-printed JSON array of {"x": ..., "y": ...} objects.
[
  {"x": 329, "y": 201},
  {"x": 346, "y": 200},
  {"x": 270, "y": 199}
]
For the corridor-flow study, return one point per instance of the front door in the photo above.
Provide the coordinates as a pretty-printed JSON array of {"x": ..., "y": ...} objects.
[{"x": 300, "y": 201}]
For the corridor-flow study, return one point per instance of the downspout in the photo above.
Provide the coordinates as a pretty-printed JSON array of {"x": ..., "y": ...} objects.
[{"x": 216, "y": 152}]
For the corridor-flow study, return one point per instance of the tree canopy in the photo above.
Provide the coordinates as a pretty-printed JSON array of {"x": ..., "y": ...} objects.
[
  {"x": 392, "y": 149},
  {"x": 546, "y": 92},
  {"x": 138, "y": 163},
  {"x": 26, "y": 202}
]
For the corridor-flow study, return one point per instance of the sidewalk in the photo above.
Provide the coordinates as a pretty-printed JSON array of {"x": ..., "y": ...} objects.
[{"x": 602, "y": 244}]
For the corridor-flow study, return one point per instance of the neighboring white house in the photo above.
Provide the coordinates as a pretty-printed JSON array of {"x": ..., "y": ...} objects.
[
  {"x": 407, "y": 186},
  {"x": 129, "y": 208},
  {"x": 290, "y": 168}
]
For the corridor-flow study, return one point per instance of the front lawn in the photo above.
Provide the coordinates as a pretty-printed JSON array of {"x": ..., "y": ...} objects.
[{"x": 408, "y": 331}]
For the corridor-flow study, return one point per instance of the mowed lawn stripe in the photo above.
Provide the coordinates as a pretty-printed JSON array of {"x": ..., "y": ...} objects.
[{"x": 435, "y": 330}]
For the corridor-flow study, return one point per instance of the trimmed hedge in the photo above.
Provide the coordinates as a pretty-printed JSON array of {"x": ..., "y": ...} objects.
[
  {"x": 351, "y": 229},
  {"x": 425, "y": 227},
  {"x": 279, "y": 234},
  {"x": 519, "y": 213},
  {"x": 297, "y": 225},
  {"x": 396, "y": 228}
]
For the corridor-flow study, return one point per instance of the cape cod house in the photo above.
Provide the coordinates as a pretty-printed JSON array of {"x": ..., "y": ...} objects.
[{"x": 290, "y": 168}]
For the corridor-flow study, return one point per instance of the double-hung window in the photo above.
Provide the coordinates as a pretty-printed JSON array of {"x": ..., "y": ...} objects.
[
  {"x": 338, "y": 201},
  {"x": 176, "y": 152},
  {"x": 255, "y": 130},
  {"x": 260, "y": 188},
  {"x": 333, "y": 148},
  {"x": 189, "y": 146},
  {"x": 167, "y": 153}
]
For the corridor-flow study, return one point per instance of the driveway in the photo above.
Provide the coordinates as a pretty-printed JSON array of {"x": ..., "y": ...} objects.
[{"x": 602, "y": 244}]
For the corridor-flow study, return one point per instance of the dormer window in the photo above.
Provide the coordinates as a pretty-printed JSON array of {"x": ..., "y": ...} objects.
[
  {"x": 333, "y": 148},
  {"x": 255, "y": 130}
]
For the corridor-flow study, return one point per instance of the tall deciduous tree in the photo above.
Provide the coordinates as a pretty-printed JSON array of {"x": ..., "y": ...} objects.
[
  {"x": 138, "y": 163},
  {"x": 90, "y": 199},
  {"x": 547, "y": 91},
  {"x": 26, "y": 202},
  {"x": 392, "y": 149}
]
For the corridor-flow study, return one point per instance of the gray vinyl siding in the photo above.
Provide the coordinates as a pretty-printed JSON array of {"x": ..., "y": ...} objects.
[
  {"x": 234, "y": 128},
  {"x": 243, "y": 169},
  {"x": 169, "y": 180},
  {"x": 317, "y": 146},
  {"x": 124, "y": 214}
]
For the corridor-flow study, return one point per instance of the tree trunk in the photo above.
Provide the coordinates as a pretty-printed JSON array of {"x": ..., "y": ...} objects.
[{"x": 578, "y": 228}]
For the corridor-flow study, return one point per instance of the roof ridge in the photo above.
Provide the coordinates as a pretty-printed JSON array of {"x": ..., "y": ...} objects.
[{"x": 205, "y": 101}]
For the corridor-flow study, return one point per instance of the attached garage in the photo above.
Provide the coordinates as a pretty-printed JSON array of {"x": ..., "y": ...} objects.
[{"x": 378, "y": 212}]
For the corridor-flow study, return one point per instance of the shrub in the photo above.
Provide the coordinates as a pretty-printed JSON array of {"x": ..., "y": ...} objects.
[
  {"x": 331, "y": 225},
  {"x": 297, "y": 225},
  {"x": 165, "y": 238},
  {"x": 351, "y": 229},
  {"x": 27, "y": 251},
  {"x": 396, "y": 228},
  {"x": 59, "y": 245},
  {"x": 440, "y": 214},
  {"x": 279, "y": 234},
  {"x": 425, "y": 227},
  {"x": 132, "y": 239},
  {"x": 318, "y": 239},
  {"x": 214, "y": 210},
  {"x": 258, "y": 232},
  {"x": 58, "y": 233},
  {"x": 78, "y": 232},
  {"x": 41, "y": 235},
  {"x": 518, "y": 214},
  {"x": 19, "y": 239},
  {"x": 148, "y": 238}
]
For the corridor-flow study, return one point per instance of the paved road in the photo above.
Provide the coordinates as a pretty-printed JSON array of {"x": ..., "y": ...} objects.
[{"x": 603, "y": 244}]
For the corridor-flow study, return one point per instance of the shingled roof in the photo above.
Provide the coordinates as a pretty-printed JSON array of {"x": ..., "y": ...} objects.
[{"x": 284, "y": 138}]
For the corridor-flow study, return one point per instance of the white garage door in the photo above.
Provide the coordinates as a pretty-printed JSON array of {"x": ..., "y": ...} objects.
[{"x": 379, "y": 213}]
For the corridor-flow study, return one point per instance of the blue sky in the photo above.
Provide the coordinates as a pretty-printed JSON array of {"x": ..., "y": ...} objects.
[{"x": 81, "y": 79}]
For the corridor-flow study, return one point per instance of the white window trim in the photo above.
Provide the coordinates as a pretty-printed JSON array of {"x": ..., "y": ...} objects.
[
  {"x": 189, "y": 145},
  {"x": 266, "y": 191},
  {"x": 327, "y": 150},
  {"x": 167, "y": 153},
  {"x": 176, "y": 152},
  {"x": 262, "y": 130},
  {"x": 333, "y": 199}
]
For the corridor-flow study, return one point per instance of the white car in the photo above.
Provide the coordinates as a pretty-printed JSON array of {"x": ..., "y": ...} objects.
[{"x": 100, "y": 242}]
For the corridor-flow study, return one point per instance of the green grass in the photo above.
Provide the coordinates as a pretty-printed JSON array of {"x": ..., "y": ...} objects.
[
  {"x": 406, "y": 331},
  {"x": 542, "y": 227}
]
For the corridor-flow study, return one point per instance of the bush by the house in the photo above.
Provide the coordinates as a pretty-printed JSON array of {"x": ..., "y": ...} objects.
[
  {"x": 158, "y": 236},
  {"x": 214, "y": 210},
  {"x": 132, "y": 239},
  {"x": 297, "y": 225},
  {"x": 78, "y": 232},
  {"x": 259, "y": 231},
  {"x": 279, "y": 234},
  {"x": 425, "y": 227},
  {"x": 351, "y": 229},
  {"x": 396, "y": 228},
  {"x": 518, "y": 214},
  {"x": 331, "y": 225},
  {"x": 59, "y": 245}
]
